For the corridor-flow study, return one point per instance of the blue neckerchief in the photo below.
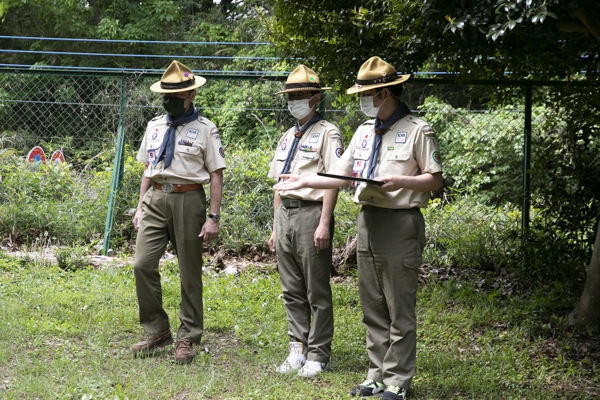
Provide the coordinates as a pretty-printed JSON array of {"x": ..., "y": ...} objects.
[
  {"x": 168, "y": 144},
  {"x": 299, "y": 132},
  {"x": 380, "y": 128}
]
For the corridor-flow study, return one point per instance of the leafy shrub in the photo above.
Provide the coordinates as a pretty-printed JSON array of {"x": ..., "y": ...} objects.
[
  {"x": 466, "y": 233},
  {"x": 51, "y": 200}
]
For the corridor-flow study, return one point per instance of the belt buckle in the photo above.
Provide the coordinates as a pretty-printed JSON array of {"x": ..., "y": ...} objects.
[{"x": 167, "y": 187}]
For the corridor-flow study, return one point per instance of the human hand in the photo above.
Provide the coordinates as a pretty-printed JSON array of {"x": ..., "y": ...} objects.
[
  {"x": 322, "y": 240},
  {"x": 210, "y": 230},
  {"x": 272, "y": 242},
  {"x": 392, "y": 183},
  {"x": 137, "y": 218},
  {"x": 289, "y": 182}
]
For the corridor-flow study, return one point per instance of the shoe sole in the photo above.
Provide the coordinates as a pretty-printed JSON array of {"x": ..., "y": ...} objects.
[
  {"x": 184, "y": 361},
  {"x": 149, "y": 352}
]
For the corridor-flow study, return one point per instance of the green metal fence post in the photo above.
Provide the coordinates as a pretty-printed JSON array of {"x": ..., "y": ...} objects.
[
  {"x": 526, "y": 163},
  {"x": 117, "y": 176},
  {"x": 527, "y": 158}
]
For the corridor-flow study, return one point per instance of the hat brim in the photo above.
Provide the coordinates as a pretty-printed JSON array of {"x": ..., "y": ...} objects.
[
  {"x": 304, "y": 89},
  {"x": 364, "y": 88},
  {"x": 198, "y": 81}
]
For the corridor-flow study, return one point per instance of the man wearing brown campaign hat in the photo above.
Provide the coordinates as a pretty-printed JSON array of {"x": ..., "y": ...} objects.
[
  {"x": 303, "y": 227},
  {"x": 401, "y": 151},
  {"x": 182, "y": 152}
]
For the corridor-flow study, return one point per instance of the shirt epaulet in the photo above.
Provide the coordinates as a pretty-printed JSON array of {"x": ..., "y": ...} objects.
[
  {"x": 369, "y": 122},
  {"x": 157, "y": 118}
]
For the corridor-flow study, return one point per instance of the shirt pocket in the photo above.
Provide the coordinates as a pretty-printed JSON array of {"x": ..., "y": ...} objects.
[
  {"x": 188, "y": 161},
  {"x": 307, "y": 162},
  {"x": 398, "y": 163}
]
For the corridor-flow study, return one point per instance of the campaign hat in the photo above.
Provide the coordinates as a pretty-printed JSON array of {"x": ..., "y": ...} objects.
[
  {"x": 376, "y": 73},
  {"x": 302, "y": 79},
  {"x": 177, "y": 78}
]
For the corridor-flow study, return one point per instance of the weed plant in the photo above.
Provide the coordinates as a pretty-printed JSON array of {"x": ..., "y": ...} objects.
[{"x": 66, "y": 335}]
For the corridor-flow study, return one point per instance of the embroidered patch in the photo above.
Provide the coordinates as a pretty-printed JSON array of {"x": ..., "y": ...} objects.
[
  {"x": 339, "y": 151},
  {"x": 428, "y": 131},
  {"x": 283, "y": 146},
  {"x": 314, "y": 138},
  {"x": 192, "y": 133},
  {"x": 155, "y": 134},
  {"x": 215, "y": 132},
  {"x": 400, "y": 137},
  {"x": 307, "y": 156},
  {"x": 390, "y": 148},
  {"x": 335, "y": 135},
  {"x": 222, "y": 152},
  {"x": 308, "y": 148},
  {"x": 184, "y": 142},
  {"x": 363, "y": 144},
  {"x": 436, "y": 157}
]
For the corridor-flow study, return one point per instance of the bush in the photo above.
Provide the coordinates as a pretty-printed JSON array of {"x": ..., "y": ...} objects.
[
  {"x": 466, "y": 233},
  {"x": 50, "y": 201}
]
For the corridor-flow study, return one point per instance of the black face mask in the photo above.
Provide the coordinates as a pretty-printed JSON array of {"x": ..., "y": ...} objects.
[{"x": 174, "y": 106}]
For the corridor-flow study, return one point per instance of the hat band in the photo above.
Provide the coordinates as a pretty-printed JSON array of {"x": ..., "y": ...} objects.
[
  {"x": 384, "y": 79},
  {"x": 302, "y": 85},
  {"x": 177, "y": 85}
]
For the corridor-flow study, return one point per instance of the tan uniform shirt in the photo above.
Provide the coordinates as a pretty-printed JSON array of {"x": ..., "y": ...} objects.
[
  {"x": 318, "y": 150},
  {"x": 409, "y": 147},
  {"x": 198, "y": 152}
]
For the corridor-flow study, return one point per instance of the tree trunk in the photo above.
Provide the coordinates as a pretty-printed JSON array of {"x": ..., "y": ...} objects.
[{"x": 587, "y": 310}]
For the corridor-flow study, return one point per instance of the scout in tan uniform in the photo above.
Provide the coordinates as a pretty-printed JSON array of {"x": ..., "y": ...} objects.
[
  {"x": 401, "y": 150},
  {"x": 303, "y": 228},
  {"x": 182, "y": 152}
]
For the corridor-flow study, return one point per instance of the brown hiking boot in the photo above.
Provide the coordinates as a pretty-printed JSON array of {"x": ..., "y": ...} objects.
[
  {"x": 184, "y": 353},
  {"x": 151, "y": 343}
]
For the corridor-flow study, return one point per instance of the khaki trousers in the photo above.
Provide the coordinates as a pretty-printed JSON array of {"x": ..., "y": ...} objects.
[
  {"x": 389, "y": 250},
  {"x": 304, "y": 276},
  {"x": 178, "y": 218}
]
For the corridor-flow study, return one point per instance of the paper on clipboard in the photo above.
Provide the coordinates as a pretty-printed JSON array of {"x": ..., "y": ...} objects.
[{"x": 352, "y": 178}]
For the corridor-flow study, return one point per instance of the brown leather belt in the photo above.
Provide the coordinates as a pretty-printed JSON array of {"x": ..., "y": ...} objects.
[{"x": 176, "y": 188}]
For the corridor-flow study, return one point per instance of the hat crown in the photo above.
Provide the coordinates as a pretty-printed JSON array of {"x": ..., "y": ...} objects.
[
  {"x": 177, "y": 76},
  {"x": 303, "y": 74},
  {"x": 375, "y": 68}
]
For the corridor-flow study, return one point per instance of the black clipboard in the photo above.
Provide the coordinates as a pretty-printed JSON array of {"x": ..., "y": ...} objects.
[{"x": 351, "y": 178}]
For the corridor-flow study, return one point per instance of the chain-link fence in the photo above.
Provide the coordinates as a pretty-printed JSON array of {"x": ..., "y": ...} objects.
[{"x": 84, "y": 114}]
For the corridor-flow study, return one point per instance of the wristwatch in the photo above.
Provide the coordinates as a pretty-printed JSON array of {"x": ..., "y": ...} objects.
[{"x": 215, "y": 217}]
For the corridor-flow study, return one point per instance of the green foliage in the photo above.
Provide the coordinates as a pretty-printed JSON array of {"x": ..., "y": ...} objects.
[
  {"x": 72, "y": 258},
  {"x": 247, "y": 208},
  {"x": 482, "y": 150},
  {"x": 477, "y": 38},
  {"x": 49, "y": 203},
  {"x": 468, "y": 234}
]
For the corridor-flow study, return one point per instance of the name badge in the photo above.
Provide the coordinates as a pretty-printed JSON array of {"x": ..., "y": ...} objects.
[
  {"x": 401, "y": 137},
  {"x": 192, "y": 133},
  {"x": 151, "y": 155},
  {"x": 359, "y": 165}
]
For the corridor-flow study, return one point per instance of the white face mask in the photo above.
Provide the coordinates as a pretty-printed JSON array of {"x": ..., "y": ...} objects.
[
  {"x": 367, "y": 107},
  {"x": 300, "y": 108}
]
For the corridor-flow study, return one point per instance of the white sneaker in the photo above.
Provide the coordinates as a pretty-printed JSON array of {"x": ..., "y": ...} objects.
[
  {"x": 311, "y": 369},
  {"x": 294, "y": 361}
]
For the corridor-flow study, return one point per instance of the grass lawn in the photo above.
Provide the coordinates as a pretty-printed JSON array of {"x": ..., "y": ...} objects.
[{"x": 66, "y": 335}]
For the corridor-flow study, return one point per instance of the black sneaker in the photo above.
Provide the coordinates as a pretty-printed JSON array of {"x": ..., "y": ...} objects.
[
  {"x": 367, "y": 388},
  {"x": 394, "y": 393}
]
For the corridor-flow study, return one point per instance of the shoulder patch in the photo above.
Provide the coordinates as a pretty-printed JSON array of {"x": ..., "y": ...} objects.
[
  {"x": 428, "y": 130},
  {"x": 215, "y": 132}
]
